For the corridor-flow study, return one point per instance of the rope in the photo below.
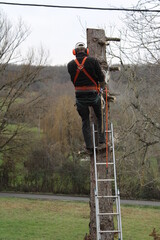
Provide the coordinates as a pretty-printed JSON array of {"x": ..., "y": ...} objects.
[
  {"x": 102, "y": 111},
  {"x": 106, "y": 130}
]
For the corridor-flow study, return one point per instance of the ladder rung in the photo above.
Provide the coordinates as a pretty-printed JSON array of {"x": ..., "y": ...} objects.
[
  {"x": 105, "y": 180},
  {"x": 107, "y": 196},
  {"x": 110, "y": 231},
  {"x": 107, "y": 214},
  {"x": 110, "y": 163},
  {"x": 109, "y": 131}
]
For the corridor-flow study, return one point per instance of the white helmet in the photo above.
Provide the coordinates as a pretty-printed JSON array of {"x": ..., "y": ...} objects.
[{"x": 80, "y": 45}]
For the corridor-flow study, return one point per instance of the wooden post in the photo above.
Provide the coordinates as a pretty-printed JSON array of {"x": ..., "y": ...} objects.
[{"x": 96, "y": 42}]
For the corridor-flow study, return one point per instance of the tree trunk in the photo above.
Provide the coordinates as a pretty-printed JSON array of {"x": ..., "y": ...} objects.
[{"x": 96, "y": 43}]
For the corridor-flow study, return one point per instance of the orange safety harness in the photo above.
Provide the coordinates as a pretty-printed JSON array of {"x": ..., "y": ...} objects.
[{"x": 80, "y": 67}]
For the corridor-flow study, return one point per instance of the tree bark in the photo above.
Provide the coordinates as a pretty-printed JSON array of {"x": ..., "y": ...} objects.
[{"x": 96, "y": 42}]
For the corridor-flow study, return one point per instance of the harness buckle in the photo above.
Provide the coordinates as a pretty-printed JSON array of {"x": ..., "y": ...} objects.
[{"x": 80, "y": 67}]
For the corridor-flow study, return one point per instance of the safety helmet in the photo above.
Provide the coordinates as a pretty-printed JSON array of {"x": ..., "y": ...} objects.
[{"x": 80, "y": 45}]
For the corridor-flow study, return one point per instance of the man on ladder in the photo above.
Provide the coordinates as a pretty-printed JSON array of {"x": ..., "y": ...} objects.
[{"x": 88, "y": 78}]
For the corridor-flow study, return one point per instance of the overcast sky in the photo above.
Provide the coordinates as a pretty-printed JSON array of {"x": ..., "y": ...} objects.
[{"x": 58, "y": 30}]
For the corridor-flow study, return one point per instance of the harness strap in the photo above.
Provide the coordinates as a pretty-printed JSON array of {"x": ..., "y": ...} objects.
[
  {"x": 80, "y": 67},
  {"x": 89, "y": 76},
  {"x": 85, "y": 88}
]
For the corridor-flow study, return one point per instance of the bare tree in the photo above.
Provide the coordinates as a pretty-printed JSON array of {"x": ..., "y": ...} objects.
[
  {"x": 138, "y": 132},
  {"x": 15, "y": 80},
  {"x": 142, "y": 35}
]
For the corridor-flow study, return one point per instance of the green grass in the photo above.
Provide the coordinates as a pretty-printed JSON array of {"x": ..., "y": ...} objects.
[
  {"x": 33, "y": 219},
  {"x": 56, "y": 220},
  {"x": 12, "y": 127},
  {"x": 138, "y": 222}
]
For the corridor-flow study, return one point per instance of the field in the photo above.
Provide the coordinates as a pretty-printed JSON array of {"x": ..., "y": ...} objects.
[{"x": 61, "y": 220}]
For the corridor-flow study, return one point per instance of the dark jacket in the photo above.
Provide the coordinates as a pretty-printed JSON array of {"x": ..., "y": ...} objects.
[{"x": 91, "y": 65}]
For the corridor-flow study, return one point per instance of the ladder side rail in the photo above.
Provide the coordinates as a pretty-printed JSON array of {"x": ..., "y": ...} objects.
[
  {"x": 114, "y": 162},
  {"x": 96, "y": 189},
  {"x": 120, "y": 221},
  {"x": 115, "y": 178},
  {"x": 118, "y": 217}
]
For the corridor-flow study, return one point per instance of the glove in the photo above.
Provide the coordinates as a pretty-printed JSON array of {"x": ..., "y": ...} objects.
[{"x": 102, "y": 84}]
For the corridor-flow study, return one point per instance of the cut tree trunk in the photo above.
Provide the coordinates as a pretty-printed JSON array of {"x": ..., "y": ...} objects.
[{"x": 96, "y": 42}]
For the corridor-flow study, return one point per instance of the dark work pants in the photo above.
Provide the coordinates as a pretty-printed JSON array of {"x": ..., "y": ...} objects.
[{"x": 83, "y": 105}]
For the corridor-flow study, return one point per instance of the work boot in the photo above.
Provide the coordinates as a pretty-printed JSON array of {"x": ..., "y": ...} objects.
[
  {"x": 86, "y": 150},
  {"x": 89, "y": 151}
]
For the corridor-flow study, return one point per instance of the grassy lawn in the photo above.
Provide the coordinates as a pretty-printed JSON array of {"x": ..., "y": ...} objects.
[
  {"x": 138, "y": 222},
  {"x": 33, "y": 219},
  {"x": 57, "y": 220}
]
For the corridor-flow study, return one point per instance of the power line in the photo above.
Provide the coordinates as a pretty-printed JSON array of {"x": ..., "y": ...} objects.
[{"x": 81, "y": 7}]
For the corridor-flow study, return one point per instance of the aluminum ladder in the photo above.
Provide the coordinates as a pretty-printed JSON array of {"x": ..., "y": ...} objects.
[{"x": 116, "y": 196}]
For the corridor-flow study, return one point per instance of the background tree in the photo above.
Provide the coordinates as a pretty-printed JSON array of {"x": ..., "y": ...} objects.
[
  {"x": 55, "y": 165},
  {"x": 14, "y": 84},
  {"x": 15, "y": 100},
  {"x": 139, "y": 132}
]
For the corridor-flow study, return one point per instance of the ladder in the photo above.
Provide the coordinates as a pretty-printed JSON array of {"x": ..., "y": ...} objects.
[{"x": 116, "y": 194}]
